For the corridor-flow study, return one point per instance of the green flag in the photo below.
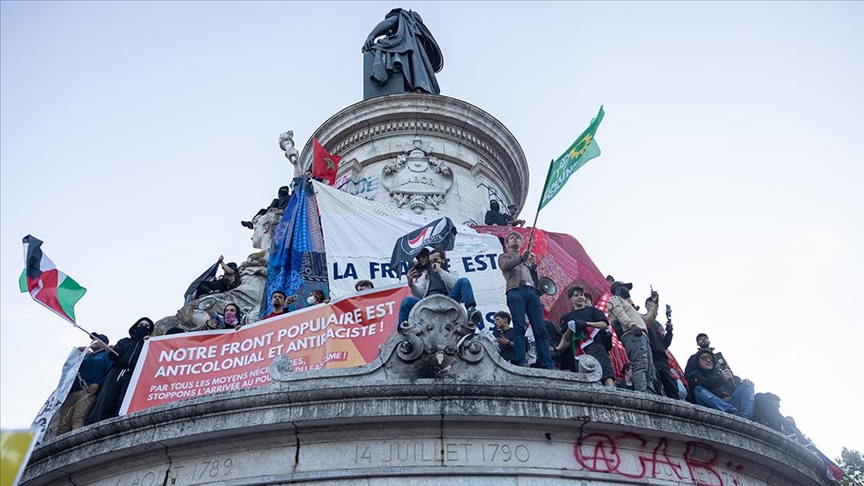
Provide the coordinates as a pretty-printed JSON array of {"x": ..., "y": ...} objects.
[{"x": 583, "y": 149}]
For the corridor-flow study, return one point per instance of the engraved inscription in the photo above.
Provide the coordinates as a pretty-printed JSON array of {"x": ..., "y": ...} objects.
[{"x": 419, "y": 452}]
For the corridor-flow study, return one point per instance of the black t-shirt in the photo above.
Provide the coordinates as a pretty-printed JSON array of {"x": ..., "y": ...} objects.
[{"x": 587, "y": 314}]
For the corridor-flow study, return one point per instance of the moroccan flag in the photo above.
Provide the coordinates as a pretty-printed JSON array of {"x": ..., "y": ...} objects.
[
  {"x": 47, "y": 285},
  {"x": 324, "y": 165},
  {"x": 438, "y": 234},
  {"x": 583, "y": 149}
]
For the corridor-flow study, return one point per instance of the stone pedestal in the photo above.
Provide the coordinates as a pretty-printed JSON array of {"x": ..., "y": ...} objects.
[
  {"x": 401, "y": 420},
  {"x": 429, "y": 154}
]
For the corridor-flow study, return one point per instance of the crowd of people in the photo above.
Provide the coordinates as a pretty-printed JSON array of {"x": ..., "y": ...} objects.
[{"x": 584, "y": 330}]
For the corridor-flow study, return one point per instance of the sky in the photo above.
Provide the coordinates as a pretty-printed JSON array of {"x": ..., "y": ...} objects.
[{"x": 135, "y": 136}]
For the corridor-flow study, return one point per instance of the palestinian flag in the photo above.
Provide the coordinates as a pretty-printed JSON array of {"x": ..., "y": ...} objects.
[{"x": 47, "y": 285}]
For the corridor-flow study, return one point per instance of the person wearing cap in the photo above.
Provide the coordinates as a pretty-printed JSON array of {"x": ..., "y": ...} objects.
[
  {"x": 720, "y": 390},
  {"x": 632, "y": 331},
  {"x": 522, "y": 299},
  {"x": 90, "y": 377}
]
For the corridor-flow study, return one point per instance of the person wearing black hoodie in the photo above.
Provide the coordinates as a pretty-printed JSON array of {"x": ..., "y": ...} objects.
[{"x": 124, "y": 356}]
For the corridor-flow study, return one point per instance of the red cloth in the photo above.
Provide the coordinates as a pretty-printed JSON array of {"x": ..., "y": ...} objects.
[{"x": 324, "y": 165}]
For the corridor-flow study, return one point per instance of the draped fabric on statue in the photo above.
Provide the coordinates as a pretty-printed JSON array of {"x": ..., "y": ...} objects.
[{"x": 297, "y": 263}]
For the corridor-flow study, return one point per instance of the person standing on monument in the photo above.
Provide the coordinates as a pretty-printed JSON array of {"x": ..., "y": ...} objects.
[
  {"x": 512, "y": 210},
  {"x": 124, "y": 356},
  {"x": 633, "y": 334},
  {"x": 91, "y": 375},
  {"x": 522, "y": 299},
  {"x": 582, "y": 328},
  {"x": 493, "y": 216}
]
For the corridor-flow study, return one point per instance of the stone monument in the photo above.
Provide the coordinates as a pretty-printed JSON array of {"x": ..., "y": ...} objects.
[{"x": 437, "y": 406}]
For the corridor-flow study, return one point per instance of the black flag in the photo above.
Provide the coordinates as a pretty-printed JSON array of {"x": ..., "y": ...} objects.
[
  {"x": 208, "y": 275},
  {"x": 438, "y": 234}
]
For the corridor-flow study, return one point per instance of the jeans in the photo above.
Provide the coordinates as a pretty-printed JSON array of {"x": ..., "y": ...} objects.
[
  {"x": 638, "y": 352},
  {"x": 461, "y": 292},
  {"x": 522, "y": 300},
  {"x": 741, "y": 404}
]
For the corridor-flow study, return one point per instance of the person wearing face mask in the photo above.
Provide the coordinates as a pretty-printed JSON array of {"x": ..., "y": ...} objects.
[
  {"x": 124, "y": 356},
  {"x": 316, "y": 297},
  {"x": 231, "y": 316}
]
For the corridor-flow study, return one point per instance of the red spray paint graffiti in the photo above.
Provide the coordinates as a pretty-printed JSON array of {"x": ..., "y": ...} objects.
[{"x": 634, "y": 456}]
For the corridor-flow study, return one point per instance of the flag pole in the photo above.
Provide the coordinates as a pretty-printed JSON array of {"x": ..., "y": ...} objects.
[
  {"x": 539, "y": 204},
  {"x": 91, "y": 334}
]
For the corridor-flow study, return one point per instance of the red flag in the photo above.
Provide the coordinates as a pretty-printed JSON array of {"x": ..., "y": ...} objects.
[{"x": 324, "y": 165}]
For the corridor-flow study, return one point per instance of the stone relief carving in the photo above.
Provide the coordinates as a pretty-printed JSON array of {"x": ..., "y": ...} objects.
[
  {"x": 436, "y": 333},
  {"x": 417, "y": 180},
  {"x": 263, "y": 227}
]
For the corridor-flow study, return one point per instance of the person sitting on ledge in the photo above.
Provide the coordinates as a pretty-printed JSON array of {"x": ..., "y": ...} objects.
[
  {"x": 230, "y": 279},
  {"x": 430, "y": 276},
  {"x": 720, "y": 390}
]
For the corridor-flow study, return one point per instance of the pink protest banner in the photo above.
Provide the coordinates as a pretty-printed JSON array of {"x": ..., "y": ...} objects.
[{"x": 344, "y": 333}]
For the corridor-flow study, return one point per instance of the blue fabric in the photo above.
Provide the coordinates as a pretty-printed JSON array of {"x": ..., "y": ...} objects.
[
  {"x": 522, "y": 300},
  {"x": 740, "y": 404},
  {"x": 297, "y": 264},
  {"x": 462, "y": 292},
  {"x": 405, "y": 307},
  {"x": 94, "y": 368}
]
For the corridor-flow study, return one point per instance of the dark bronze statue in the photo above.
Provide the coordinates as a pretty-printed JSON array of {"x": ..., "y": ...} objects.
[{"x": 404, "y": 60}]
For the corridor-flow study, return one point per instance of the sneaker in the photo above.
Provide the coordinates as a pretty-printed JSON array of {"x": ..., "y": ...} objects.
[
  {"x": 247, "y": 224},
  {"x": 474, "y": 316}
]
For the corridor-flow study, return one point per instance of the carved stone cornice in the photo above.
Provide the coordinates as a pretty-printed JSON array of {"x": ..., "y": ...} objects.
[{"x": 426, "y": 117}]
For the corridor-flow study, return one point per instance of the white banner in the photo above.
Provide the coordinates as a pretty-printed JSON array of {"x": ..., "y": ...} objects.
[
  {"x": 359, "y": 236},
  {"x": 45, "y": 422}
]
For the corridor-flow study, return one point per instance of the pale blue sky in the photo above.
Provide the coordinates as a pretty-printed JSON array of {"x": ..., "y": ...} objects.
[{"x": 135, "y": 136}]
